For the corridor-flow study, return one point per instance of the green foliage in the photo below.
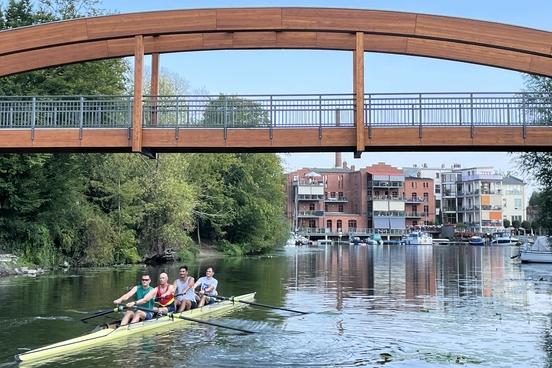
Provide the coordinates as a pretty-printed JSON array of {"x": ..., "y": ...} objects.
[
  {"x": 241, "y": 200},
  {"x": 526, "y": 225},
  {"x": 234, "y": 112},
  {"x": 103, "y": 209},
  {"x": 506, "y": 223},
  {"x": 516, "y": 224},
  {"x": 539, "y": 164},
  {"x": 543, "y": 217}
]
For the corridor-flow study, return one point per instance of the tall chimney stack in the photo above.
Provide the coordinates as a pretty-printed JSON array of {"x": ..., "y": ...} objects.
[{"x": 338, "y": 162}]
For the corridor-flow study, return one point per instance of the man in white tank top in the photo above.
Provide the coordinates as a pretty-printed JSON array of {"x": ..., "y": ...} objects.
[{"x": 185, "y": 295}]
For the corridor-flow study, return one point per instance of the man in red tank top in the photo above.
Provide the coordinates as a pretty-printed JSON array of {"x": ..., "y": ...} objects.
[{"x": 164, "y": 295}]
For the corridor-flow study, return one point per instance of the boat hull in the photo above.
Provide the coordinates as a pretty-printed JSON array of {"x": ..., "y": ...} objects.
[
  {"x": 535, "y": 257},
  {"x": 111, "y": 333}
]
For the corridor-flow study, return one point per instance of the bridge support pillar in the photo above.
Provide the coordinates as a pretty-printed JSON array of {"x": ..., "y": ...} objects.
[
  {"x": 138, "y": 92},
  {"x": 154, "y": 87},
  {"x": 358, "y": 91}
]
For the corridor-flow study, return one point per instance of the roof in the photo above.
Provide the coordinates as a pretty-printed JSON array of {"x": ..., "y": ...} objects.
[{"x": 512, "y": 180}]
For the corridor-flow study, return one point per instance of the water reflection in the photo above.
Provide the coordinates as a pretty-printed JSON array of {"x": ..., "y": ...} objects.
[{"x": 417, "y": 306}]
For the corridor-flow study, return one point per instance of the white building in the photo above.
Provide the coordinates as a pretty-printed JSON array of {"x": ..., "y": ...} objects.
[{"x": 513, "y": 199}]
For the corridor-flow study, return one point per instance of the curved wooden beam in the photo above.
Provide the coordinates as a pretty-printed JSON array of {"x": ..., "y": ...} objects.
[{"x": 473, "y": 41}]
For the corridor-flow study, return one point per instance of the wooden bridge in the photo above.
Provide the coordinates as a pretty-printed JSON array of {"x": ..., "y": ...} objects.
[{"x": 355, "y": 122}]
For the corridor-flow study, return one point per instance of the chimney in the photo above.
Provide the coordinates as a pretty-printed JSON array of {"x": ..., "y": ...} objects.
[
  {"x": 338, "y": 160},
  {"x": 344, "y": 164}
]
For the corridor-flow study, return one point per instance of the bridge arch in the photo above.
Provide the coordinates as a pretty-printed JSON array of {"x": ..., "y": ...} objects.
[
  {"x": 87, "y": 39},
  {"x": 473, "y": 41}
]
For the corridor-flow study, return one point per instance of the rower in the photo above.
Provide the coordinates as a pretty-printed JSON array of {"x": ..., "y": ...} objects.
[
  {"x": 184, "y": 286},
  {"x": 164, "y": 296},
  {"x": 208, "y": 288},
  {"x": 141, "y": 291}
]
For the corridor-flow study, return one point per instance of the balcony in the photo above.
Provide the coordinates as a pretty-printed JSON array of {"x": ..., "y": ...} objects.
[
  {"x": 336, "y": 199},
  {"x": 305, "y": 214},
  {"x": 415, "y": 200},
  {"x": 491, "y": 208},
  {"x": 385, "y": 184},
  {"x": 416, "y": 214},
  {"x": 386, "y": 214},
  {"x": 309, "y": 197},
  {"x": 385, "y": 198}
]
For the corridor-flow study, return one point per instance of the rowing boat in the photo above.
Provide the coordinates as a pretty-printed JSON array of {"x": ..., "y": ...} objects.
[{"x": 113, "y": 331}]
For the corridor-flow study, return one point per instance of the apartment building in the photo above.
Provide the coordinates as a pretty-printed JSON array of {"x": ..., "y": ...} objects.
[
  {"x": 420, "y": 202},
  {"x": 385, "y": 197},
  {"x": 513, "y": 199},
  {"x": 345, "y": 201}
]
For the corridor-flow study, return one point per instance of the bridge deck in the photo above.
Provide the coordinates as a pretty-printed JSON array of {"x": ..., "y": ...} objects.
[{"x": 279, "y": 123}]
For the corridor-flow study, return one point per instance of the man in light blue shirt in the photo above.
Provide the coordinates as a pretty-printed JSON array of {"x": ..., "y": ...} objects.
[{"x": 208, "y": 288}]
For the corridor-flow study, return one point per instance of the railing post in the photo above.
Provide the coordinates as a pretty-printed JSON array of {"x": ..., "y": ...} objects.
[
  {"x": 508, "y": 120},
  {"x": 369, "y": 115},
  {"x": 11, "y": 117},
  {"x": 225, "y": 118},
  {"x": 471, "y": 116},
  {"x": 177, "y": 117},
  {"x": 524, "y": 114},
  {"x": 81, "y": 116},
  {"x": 320, "y": 117},
  {"x": 420, "y": 115},
  {"x": 54, "y": 120},
  {"x": 460, "y": 113},
  {"x": 129, "y": 117},
  {"x": 270, "y": 120},
  {"x": 33, "y": 118}
]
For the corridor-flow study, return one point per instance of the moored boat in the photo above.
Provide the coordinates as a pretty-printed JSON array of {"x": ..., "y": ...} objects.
[
  {"x": 111, "y": 332},
  {"x": 538, "y": 252},
  {"x": 502, "y": 238},
  {"x": 418, "y": 238},
  {"x": 476, "y": 240}
]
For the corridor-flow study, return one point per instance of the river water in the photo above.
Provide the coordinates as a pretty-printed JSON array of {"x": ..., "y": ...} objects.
[{"x": 374, "y": 306}]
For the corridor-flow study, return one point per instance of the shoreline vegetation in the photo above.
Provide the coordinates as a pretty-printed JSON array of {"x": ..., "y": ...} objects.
[
  {"x": 101, "y": 209},
  {"x": 12, "y": 265}
]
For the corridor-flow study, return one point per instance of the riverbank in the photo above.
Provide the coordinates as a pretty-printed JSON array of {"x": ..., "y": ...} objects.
[{"x": 10, "y": 266}]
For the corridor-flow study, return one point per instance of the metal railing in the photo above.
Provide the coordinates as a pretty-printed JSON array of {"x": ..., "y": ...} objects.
[{"x": 279, "y": 111}]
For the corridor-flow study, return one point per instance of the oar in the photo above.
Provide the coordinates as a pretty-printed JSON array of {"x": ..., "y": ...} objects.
[
  {"x": 204, "y": 322},
  {"x": 102, "y": 313},
  {"x": 257, "y": 304}
]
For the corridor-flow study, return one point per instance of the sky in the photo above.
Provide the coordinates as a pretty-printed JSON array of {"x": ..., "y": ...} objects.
[{"x": 289, "y": 72}]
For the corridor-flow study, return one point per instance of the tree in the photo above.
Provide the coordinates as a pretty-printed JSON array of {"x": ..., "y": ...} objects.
[
  {"x": 516, "y": 224},
  {"x": 526, "y": 225},
  {"x": 45, "y": 213},
  {"x": 506, "y": 223},
  {"x": 235, "y": 112}
]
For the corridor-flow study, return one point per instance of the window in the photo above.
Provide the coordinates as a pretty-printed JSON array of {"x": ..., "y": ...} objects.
[
  {"x": 426, "y": 196},
  {"x": 437, "y": 188},
  {"x": 311, "y": 207},
  {"x": 339, "y": 225},
  {"x": 426, "y": 210},
  {"x": 352, "y": 224},
  {"x": 312, "y": 223},
  {"x": 340, "y": 208},
  {"x": 517, "y": 203},
  {"x": 332, "y": 195},
  {"x": 414, "y": 195},
  {"x": 436, "y": 175},
  {"x": 329, "y": 224},
  {"x": 340, "y": 194}
]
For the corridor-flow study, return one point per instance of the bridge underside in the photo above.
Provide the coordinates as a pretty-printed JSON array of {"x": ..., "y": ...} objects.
[{"x": 278, "y": 140}]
